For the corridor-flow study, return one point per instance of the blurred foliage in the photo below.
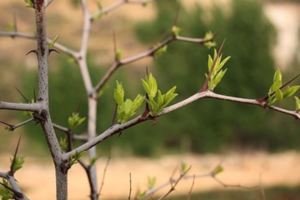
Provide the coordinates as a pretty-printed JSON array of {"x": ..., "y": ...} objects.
[{"x": 205, "y": 126}]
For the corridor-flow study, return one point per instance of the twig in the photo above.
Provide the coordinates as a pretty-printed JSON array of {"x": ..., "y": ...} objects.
[
  {"x": 239, "y": 186},
  {"x": 74, "y": 136},
  {"x": 60, "y": 47},
  {"x": 139, "y": 119},
  {"x": 191, "y": 189},
  {"x": 114, "y": 6},
  {"x": 174, "y": 183},
  {"x": 262, "y": 191},
  {"x": 12, "y": 127},
  {"x": 150, "y": 52},
  {"x": 130, "y": 187},
  {"x": 21, "y": 106},
  {"x": 104, "y": 175}
]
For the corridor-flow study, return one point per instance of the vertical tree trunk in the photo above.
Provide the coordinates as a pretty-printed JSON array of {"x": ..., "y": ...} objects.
[
  {"x": 44, "y": 117},
  {"x": 61, "y": 183},
  {"x": 92, "y": 176}
]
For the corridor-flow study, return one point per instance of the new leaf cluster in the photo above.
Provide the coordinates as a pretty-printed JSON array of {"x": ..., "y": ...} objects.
[
  {"x": 216, "y": 70},
  {"x": 155, "y": 99},
  {"x": 278, "y": 91}
]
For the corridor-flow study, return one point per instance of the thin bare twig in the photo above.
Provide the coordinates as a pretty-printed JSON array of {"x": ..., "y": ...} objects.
[
  {"x": 21, "y": 106},
  {"x": 60, "y": 47},
  {"x": 130, "y": 187},
  {"x": 70, "y": 133},
  {"x": 191, "y": 189},
  {"x": 114, "y": 6},
  {"x": 13, "y": 127},
  {"x": 174, "y": 183},
  {"x": 148, "y": 53},
  {"x": 104, "y": 175}
]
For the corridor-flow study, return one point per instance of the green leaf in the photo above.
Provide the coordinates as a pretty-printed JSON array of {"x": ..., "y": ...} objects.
[
  {"x": 209, "y": 38},
  {"x": 17, "y": 163},
  {"x": 210, "y": 62},
  {"x": 5, "y": 193},
  {"x": 118, "y": 55},
  {"x": 170, "y": 96},
  {"x": 126, "y": 109},
  {"x": 140, "y": 195},
  {"x": 209, "y": 35},
  {"x": 277, "y": 76},
  {"x": 29, "y": 3},
  {"x": 93, "y": 161},
  {"x": 161, "y": 51},
  {"x": 74, "y": 159},
  {"x": 217, "y": 170},
  {"x": 297, "y": 102},
  {"x": 290, "y": 91},
  {"x": 277, "y": 82},
  {"x": 150, "y": 86},
  {"x": 137, "y": 102},
  {"x": 210, "y": 44},
  {"x": 156, "y": 100},
  {"x": 53, "y": 41},
  {"x": 151, "y": 182},
  {"x": 119, "y": 93},
  {"x": 75, "y": 2},
  {"x": 63, "y": 143},
  {"x": 216, "y": 80},
  {"x": 75, "y": 120},
  {"x": 176, "y": 30},
  {"x": 184, "y": 168},
  {"x": 215, "y": 69}
]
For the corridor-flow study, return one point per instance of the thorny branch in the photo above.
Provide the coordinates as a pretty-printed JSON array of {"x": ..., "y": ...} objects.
[
  {"x": 21, "y": 106},
  {"x": 57, "y": 45},
  {"x": 148, "y": 53},
  {"x": 12, "y": 127},
  {"x": 198, "y": 96},
  {"x": 14, "y": 187}
]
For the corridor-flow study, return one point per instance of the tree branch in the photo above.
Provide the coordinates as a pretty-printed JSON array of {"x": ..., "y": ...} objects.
[
  {"x": 114, "y": 6},
  {"x": 201, "y": 95},
  {"x": 68, "y": 130},
  {"x": 21, "y": 106},
  {"x": 18, "y": 194},
  {"x": 57, "y": 45},
  {"x": 13, "y": 127},
  {"x": 150, "y": 52}
]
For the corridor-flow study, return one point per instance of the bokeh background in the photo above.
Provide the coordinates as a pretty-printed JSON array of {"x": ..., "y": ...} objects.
[{"x": 259, "y": 36}]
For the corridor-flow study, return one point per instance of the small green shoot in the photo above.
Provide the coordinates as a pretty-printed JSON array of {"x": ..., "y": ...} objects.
[
  {"x": 126, "y": 108},
  {"x": 156, "y": 100},
  {"x": 216, "y": 70}
]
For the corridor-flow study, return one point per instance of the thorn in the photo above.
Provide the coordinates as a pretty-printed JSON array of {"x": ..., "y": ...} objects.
[
  {"x": 53, "y": 50},
  {"x": 147, "y": 71},
  {"x": 31, "y": 51},
  {"x": 11, "y": 172},
  {"x": 177, "y": 14},
  {"x": 15, "y": 26},
  {"x": 23, "y": 96},
  {"x": 34, "y": 95},
  {"x": 8, "y": 126}
]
